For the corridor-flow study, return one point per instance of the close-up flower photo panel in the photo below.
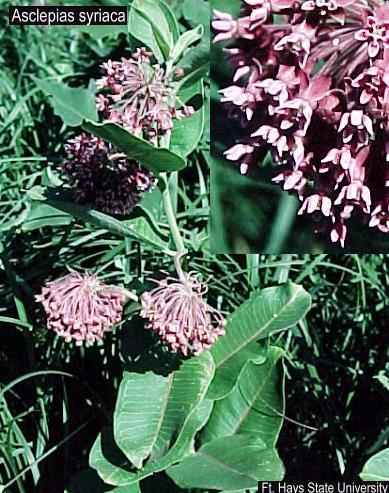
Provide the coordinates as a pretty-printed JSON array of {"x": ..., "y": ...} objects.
[
  {"x": 194, "y": 247},
  {"x": 302, "y": 163}
]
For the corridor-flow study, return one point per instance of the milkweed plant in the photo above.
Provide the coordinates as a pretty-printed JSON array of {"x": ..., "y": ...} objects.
[
  {"x": 131, "y": 132},
  {"x": 117, "y": 246}
]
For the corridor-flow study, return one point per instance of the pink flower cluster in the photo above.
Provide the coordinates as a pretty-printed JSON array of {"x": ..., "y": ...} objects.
[
  {"x": 140, "y": 96},
  {"x": 311, "y": 85},
  {"x": 177, "y": 312},
  {"x": 81, "y": 308},
  {"x": 104, "y": 178}
]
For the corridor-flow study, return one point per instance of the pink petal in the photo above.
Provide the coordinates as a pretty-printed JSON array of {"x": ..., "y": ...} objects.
[
  {"x": 343, "y": 121},
  {"x": 326, "y": 205},
  {"x": 313, "y": 203},
  {"x": 373, "y": 49},
  {"x": 241, "y": 72}
]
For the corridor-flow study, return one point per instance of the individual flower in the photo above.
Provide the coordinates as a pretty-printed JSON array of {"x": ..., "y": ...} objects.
[
  {"x": 102, "y": 177},
  {"x": 178, "y": 313},
  {"x": 311, "y": 85},
  {"x": 140, "y": 95},
  {"x": 81, "y": 308}
]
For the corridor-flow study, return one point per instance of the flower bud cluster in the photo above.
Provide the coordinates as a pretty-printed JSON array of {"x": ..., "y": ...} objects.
[
  {"x": 103, "y": 178},
  {"x": 80, "y": 308}
]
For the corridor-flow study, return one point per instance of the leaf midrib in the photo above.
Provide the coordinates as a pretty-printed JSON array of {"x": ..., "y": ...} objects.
[
  {"x": 163, "y": 410},
  {"x": 224, "y": 465},
  {"x": 251, "y": 406}
]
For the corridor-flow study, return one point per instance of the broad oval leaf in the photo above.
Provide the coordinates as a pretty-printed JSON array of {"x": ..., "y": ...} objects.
[
  {"x": 187, "y": 133},
  {"x": 196, "y": 12},
  {"x": 225, "y": 379},
  {"x": 264, "y": 313},
  {"x": 156, "y": 159},
  {"x": 146, "y": 425},
  {"x": 186, "y": 39},
  {"x": 255, "y": 405},
  {"x": 171, "y": 20},
  {"x": 148, "y": 24},
  {"x": 377, "y": 467},
  {"x": 72, "y": 104},
  {"x": 229, "y": 463},
  {"x": 116, "y": 474}
]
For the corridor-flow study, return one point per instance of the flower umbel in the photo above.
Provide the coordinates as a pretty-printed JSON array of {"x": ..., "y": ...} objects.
[
  {"x": 177, "y": 312},
  {"x": 311, "y": 85},
  {"x": 104, "y": 178},
  {"x": 139, "y": 95},
  {"x": 81, "y": 308}
]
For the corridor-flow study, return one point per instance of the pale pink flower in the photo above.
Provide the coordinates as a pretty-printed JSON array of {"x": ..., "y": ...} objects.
[
  {"x": 140, "y": 95},
  {"x": 180, "y": 316},
  {"x": 228, "y": 27},
  {"x": 80, "y": 308},
  {"x": 356, "y": 126},
  {"x": 316, "y": 202}
]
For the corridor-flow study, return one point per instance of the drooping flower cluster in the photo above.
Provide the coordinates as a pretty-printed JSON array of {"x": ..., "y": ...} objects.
[
  {"x": 177, "y": 312},
  {"x": 80, "y": 308},
  {"x": 311, "y": 85},
  {"x": 140, "y": 96},
  {"x": 104, "y": 178}
]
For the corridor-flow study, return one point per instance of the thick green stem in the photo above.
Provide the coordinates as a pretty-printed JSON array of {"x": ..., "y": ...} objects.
[{"x": 171, "y": 217}]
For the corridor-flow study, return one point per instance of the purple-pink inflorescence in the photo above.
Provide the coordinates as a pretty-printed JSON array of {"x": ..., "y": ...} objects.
[
  {"x": 177, "y": 312},
  {"x": 140, "y": 96},
  {"x": 102, "y": 177},
  {"x": 311, "y": 84},
  {"x": 80, "y": 308}
]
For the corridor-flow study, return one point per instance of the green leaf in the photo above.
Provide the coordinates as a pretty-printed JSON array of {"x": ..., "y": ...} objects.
[
  {"x": 255, "y": 405},
  {"x": 377, "y": 467},
  {"x": 232, "y": 463},
  {"x": 225, "y": 379},
  {"x": 148, "y": 24},
  {"x": 138, "y": 228},
  {"x": 73, "y": 105},
  {"x": 186, "y": 39},
  {"x": 146, "y": 424},
  {"x": 103, "y": 31},
  {"x": 156, "y": 159},
  {"x": 171, "y": 19},
  {"x": 187, "y": 133},
  {"x": 42, "y": 215},
  {"x": 184, "y": 445},
  {"x": 265, "y": 313},
  {"x": 188, "y": 92},
  {"x": 196, "y": 12}
]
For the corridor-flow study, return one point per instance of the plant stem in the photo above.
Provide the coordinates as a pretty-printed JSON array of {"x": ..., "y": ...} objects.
[
  {"x": 282, "y": 224},
  {"x": 171, "y": 217}
]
